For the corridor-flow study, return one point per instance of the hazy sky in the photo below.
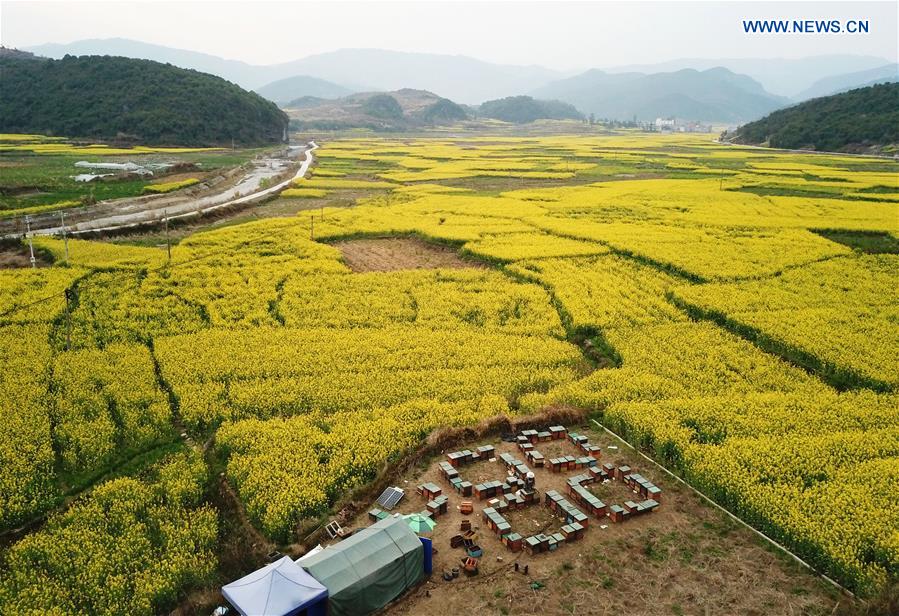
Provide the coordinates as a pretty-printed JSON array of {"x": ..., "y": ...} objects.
[{"x": 562, "y": 35}]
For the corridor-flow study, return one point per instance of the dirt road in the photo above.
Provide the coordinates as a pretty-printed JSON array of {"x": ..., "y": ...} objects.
[{"x": 251, "y": 187}]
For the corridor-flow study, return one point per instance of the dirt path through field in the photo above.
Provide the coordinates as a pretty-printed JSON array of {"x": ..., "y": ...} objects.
[{"x": 263, "y": 178}]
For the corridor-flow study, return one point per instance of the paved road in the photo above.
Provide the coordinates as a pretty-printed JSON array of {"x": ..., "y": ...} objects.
[{"x": 126, "y": 213}]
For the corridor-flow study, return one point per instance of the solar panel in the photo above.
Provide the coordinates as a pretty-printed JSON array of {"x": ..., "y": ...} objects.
[{"x": 390, "y": 497}]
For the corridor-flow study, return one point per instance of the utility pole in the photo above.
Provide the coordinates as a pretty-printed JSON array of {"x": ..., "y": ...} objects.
[
  {"x": 69, "y": 297},
  {"x": 65, "y": 238},
  {"x": 312, "y": 228},
  {"x": 168, "y": 243},
  {"x": 30, "y": 244}
]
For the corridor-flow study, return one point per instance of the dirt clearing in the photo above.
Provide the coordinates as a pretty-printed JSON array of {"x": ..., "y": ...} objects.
[
  {"x": 685, "y": 558},
  {"x": 15, "y": 255},
  {"x": 400, "y": 253}
]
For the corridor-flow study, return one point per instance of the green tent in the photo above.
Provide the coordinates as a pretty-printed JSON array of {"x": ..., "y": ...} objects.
[
  {"x": 369, "y": 569},
  {"x": 419, "y": 523}
]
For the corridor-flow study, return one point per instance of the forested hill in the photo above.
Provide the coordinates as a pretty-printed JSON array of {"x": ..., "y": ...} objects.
[
  {"x": 106, "y": 97},
  {"x": 524, "y": 109},
  {"x": 862, "y": 120}
]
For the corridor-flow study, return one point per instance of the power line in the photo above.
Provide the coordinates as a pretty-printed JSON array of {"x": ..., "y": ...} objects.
[
  {"x": 117, "y": 272},
  {"x": 168, "y": 265},
  {"x": 28, "y": 305}
]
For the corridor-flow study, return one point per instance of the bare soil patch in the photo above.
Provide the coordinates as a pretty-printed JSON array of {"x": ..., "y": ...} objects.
[
  {"x": 400, "y": 253},
  {"x": 685, "y": 558},
  {"x": 13, "y": 255}
]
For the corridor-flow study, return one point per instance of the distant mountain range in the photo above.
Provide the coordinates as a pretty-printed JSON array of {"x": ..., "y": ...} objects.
[
  {"x": 864, "y": 120},
  {"x": 721, "y": 90},
  {"x": 245, "y": 75},
  {"x": 410, "y": 109},
  {"x": 461, "y": 78},
  {"x": 715, "y": 94},
  {"x": 290, "y": 89},
  {"x": 780, "y": 76},
  {"x": 841, "y": 83}
]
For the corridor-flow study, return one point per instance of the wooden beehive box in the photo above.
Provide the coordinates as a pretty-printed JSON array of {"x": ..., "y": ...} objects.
[
  {"x": 513, "y": 541},
  {"x": 587, "y": 461},
  {"x": 430, "y": 490},
  {"x": 531, "y": 435},
  {"x": 649, "y": 505},
  {"x": 521, "y": 471},
  {"x": 616, "y": 513},
  {"x": 486, "y": 451},
  {"x": 438, "y": 506}
]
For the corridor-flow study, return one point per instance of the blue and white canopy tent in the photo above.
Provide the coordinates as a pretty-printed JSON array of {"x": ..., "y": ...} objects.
[{"x": 282, "y": 588}]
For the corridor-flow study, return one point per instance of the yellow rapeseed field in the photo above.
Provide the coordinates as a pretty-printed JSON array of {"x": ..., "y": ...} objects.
[
  {"x": 167, "y": 187},
  {"x": 744, "y": 300}
]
